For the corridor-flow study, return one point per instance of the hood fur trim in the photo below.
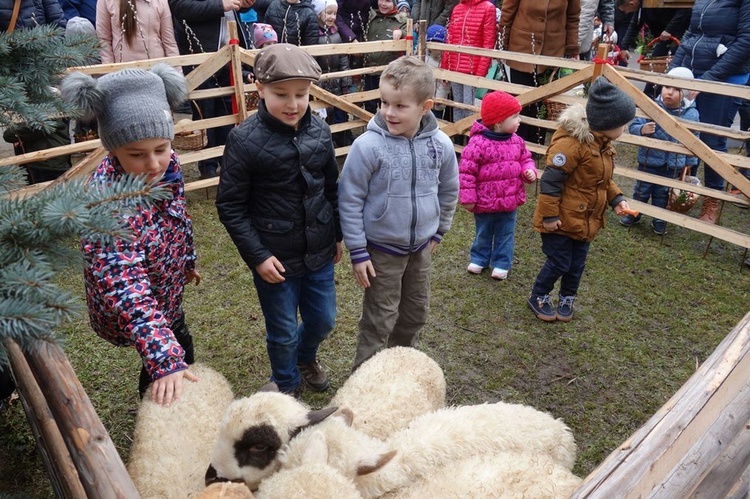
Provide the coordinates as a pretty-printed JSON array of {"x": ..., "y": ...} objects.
[{"x": 573, "y": 120}]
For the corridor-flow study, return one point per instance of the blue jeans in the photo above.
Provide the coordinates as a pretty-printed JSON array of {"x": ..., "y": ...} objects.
[
  {"x": 566, "y": 260},
  {"x": 494, "y": 242},
  {"x": 659, "y": 194},
  {"x": 288, "y": 341}
]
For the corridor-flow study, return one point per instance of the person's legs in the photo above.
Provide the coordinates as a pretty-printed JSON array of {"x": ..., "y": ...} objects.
[
  {"x": 372, "y": 82},
  {"x": 317, "y": 309},
  {"x": 504, "y": 240},
  {"x": 559, "y": 252},
  {"x": 570, "y": 280},
  {"x": 415, "y": 300},
  {"x": 528, "y": 133},
  {"x": 279, "y": 303},
  {"x": 481, "y": 248},
  {"x": 716, "y": 110},
  {"x": 380, "y": 306},
  {"x": 465, "y": 95},
  {"x": 660, "y": 197}
]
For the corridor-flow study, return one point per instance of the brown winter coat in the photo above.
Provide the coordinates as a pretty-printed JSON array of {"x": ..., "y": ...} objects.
[
  {"x": 577, "y": 184},
  {"x": 553, "y": 25}
]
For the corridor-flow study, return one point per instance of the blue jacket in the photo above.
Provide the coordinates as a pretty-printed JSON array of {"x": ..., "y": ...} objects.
[
  {"x": 715, "y": 22},
  {"x": 657, "y": 157},
  {"x": 32, "y": 13}
]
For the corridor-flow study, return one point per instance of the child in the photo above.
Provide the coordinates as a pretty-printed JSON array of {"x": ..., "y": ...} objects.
[
  {"x": 134, "y": 285},
  {"x": 294, "y": 21},
  {"x": 576, "y": 188},
  {"x": 263, "y": 34},
  {"x": 663, "y": 163},
  {"x": 277, "y": 198},
  {"x": 328, "y": 33},
  {"x": 494, "y": 165},
  {"x": 404, "y": 7},
  {"x": 385, "y": 24},
  {"x": 398, "y": 192},
  {"x": 436, "y": 34}
]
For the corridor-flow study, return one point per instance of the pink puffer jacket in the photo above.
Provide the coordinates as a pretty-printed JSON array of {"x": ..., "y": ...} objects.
[{"x": 472, "y": 23}]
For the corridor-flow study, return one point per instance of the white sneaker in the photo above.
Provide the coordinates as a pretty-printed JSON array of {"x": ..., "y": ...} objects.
[
  {"x": 473, "y": 268},
  {"x": 499, "y": 274}
]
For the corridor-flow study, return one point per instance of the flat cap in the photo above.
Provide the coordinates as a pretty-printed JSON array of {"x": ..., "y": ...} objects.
[{"x": 282, "y": 62}]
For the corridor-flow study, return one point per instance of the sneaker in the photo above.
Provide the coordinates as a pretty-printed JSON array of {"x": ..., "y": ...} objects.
[
  {"x": 630, "y": 220},
  {"x": 314, "y": 375},
  {"x": 542, "y": 307},
  {"x": 499, "y": 274},
  {"x": 660, "y": 227},
  {"x": 473, "y": 268},
  {"x": 565, "y": 308}
]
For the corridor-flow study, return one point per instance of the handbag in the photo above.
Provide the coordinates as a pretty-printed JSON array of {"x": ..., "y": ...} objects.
[{"x": 495, "y": 72}]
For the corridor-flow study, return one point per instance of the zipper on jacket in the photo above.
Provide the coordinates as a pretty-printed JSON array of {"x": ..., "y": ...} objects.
[
  {"x": 700, "y": 27},
  {"x": 413, "y": 234}
]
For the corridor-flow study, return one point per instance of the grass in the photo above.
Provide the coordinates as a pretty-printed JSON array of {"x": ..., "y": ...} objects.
[{"x": 650, "y": 310}]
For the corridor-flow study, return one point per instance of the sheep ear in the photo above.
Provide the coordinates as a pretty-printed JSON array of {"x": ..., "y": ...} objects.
[
  {"x": 365, "y": 468},
  {"x": 315, "y": 417},
  {"x": 316, "y": 449},
  {"x": 175, "y": 83},
  {"x": 346, "y": 414}
]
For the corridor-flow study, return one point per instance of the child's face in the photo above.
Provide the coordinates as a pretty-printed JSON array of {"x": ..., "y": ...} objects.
[
  {"x": 615, "y": 133},
  {"x": 328, "y": 16},
  {"x": 672, "y": 97},
  {"x": 145, "y": 157},
  {"x": 400, "y": 110},
  {"x": 385, "y": 6},
  {"x": 509, "y": 124},
  {"x": 287, "y": 101}
]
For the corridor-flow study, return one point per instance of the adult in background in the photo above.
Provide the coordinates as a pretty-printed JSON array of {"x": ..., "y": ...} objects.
[
  {"x": 432, "y": 11},
  {"x": 716, "y": 47},
  {"x": 605, "y": 11},
  {"x": 80, "y": 8},
  {"x": 201, "y": 26},
  {"x": 540, "y": 28},
  {"x": 294, "y": 21}
]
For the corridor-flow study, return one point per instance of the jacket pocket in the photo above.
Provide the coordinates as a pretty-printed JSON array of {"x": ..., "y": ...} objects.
[
  {"x": 272, "y": 225},
  {"x": 573, "y": 215}
]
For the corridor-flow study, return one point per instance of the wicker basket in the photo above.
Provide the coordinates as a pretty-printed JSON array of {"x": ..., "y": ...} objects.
[
  {"x": 251, "y": 100},
  {"x": 681, "y": 200},
  {"x": 656, "y": 64},
  {"x": 554, "y": 109},
  {"x": 194, "y": 140}
]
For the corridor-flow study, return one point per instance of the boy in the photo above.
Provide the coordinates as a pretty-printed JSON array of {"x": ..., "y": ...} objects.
[
  {"x": 277, "y": 199},
  {"x": 657, "y": 162},
  {"x": 398, "y": 192},
  {"x": 575, "y": 189}
]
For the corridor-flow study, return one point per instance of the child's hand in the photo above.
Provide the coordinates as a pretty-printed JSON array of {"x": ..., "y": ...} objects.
[
  {"x": 362, "y": 271},
  {"x": 552, "y": 226},
  {"x": 192, "y": 275},
  {"x": 396, "y": 34},
  {"x": 432, "y": 246},
  {"x": 529, "y": 175},
  {"x": 622, "y": 208},
  {"x": 168, "y": 389},
  {"x": 270, "y": 270},
  {"x": 339, "y": 252},
  {"x": 648, "y": 128},
  {"x": 231, "y": 5},
  {"x": 469, "y": 206}
]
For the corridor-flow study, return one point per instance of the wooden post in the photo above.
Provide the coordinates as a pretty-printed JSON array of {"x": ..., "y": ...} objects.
[
  {"x": 601, "y": 55},
  {"x": 236, "y": 79},
  {"x": 422, "y": 41},
  {"x": 409, "y": 37}
]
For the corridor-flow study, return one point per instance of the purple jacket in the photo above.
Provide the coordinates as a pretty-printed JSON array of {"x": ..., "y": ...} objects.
[{"x": 491, "y": 170}]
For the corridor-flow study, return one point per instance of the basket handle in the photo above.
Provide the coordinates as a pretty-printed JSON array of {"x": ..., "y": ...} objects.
[
  {"x": 654, "y": 41},
  {"x": 683, "y": 173}
]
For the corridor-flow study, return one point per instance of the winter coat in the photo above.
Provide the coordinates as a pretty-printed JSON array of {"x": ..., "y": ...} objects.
[
  {"x": 80, "y": 8},
  {"x": 491, "y": 171},
  {"x": 673, "y": 21},
  {"x": 433, "y": 11},
  {"x": 473, "y": 24},
  {"x": 656, "y": 157},
  {"x": 277, "y": 194},
  {"x": 604, "y": 9},
  {"x": 333, "y": 62},
  {"x": 294, "y": 23},
  {"x": 154, "y": 35},
  {"x": 26, "y": 139},
  {"x": 352, "y": 19},
  {"x": 576, "y": 185},
  {"x": 134, "y": 286},
  {"x": 32, "y": 13},
  {"x": 715, "y": 22},
  {"x": 379, "y": 28},
  {"x": 197, "y": 25},
  {"x": 551, "y": 24},
  {"x": 397, "y": 193}
]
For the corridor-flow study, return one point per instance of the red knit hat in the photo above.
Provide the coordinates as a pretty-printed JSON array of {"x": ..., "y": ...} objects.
[{"x": 497, "y": 106}]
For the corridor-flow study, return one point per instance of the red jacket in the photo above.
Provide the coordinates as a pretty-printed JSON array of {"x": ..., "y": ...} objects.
[{"x": 472, "y": 23}]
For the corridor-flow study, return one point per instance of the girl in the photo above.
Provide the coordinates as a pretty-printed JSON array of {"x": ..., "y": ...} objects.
[{"x": 493, "y": 167}]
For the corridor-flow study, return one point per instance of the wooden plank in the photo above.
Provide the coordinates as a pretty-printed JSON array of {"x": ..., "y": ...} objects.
[
  {"x": 210, "y": 67},
  {"x": 235, "y": 67},
  {"x": 340, "y": 103},
  {"x": 636, "y": 467}
]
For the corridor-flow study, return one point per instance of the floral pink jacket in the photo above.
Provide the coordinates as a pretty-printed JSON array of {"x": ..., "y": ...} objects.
[{"x": 491, "y": 170}]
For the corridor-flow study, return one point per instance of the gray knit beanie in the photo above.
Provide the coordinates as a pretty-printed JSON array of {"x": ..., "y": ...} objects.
[
  {"x": 608, "y": 107},
  {"x": 130, "y": 105}
]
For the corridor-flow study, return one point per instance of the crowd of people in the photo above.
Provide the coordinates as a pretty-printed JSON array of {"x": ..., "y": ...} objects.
[{"x": 287, "y": 210}]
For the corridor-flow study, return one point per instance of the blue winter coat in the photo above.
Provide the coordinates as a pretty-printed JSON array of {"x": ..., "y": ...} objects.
[
  {"x": 32, "y": 13},
  {"x": 715, "y": 22},
  {"x": 657, "y": 157}
]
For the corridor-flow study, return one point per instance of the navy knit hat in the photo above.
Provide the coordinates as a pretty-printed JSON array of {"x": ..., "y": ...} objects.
[
  {"x": 608, "y": 107},
  {"x": 436, "y": 33}
]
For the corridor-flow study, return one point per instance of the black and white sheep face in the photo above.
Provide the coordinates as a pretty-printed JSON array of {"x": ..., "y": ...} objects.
[{"x": 252, "y": 432}]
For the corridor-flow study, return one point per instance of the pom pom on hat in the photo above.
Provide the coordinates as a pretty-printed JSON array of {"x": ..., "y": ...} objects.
[
  {"x": 497, "y": 107},
  {"x": 608, "y": 107},
  {"x": 264, "y": 33},
  {"x": 436, "y": 33}
]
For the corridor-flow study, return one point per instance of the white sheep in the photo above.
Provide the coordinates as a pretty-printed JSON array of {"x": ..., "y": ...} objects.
[
  {"x": 506, "y": 475},
  {"x": 172, "y": 445},
  {"x": 252, "y": 431},
  {"x": 225, "y": 490},
  {"x": 390, "y": 389}
]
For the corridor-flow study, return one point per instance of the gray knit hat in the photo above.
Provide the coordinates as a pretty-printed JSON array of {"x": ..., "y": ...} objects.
[
  {"x": 282, "y": 62},
  {"x": 131, "y": 104},
  {"x": 608, "y": 107}
]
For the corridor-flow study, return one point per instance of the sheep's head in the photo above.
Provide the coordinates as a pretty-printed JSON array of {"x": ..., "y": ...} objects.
[{"x": 251, "y": 433}]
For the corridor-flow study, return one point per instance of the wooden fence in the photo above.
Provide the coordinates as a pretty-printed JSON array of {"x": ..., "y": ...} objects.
[{"x": 697, "y": 444}]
